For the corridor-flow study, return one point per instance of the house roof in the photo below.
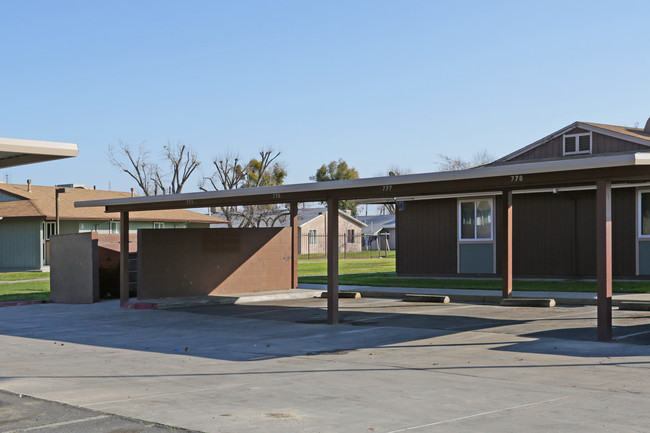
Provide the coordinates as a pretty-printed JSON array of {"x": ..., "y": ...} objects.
[
  {"x": 308, "y": 214},
  {"x": 635, "y": 135},
  {"x": 377, "y": 223},
  {"x": 15, "y": 151},
  {"x": 40, "y": 203}
]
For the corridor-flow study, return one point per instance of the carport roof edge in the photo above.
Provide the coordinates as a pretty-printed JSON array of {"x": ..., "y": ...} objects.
[
  {"x": 473, "y": 179},
  {"x": 14, "y": 151}
]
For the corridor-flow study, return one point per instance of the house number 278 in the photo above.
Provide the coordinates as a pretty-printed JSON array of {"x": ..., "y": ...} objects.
[{"x": 517, "y": 178}]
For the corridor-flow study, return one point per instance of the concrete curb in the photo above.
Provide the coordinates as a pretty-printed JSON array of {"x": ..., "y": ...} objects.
[
  {"x": 436, "y": 299},
  {"x": 344, "y": 295},
  {"x": 19, "y": 303},
  {"x": 634, "y": 306},
  {"x": 528, "y": 302},
  {"x": 198, "y": 301}
]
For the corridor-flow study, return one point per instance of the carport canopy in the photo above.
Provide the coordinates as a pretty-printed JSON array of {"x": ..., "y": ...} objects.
[
  {"x": 602, "y": 171},
  {"x": 15, "y": 151}
]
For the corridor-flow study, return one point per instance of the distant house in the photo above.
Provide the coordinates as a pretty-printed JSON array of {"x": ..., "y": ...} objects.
[
  {"x": 28, "y": 219},
  {"x": 380, "y": 231},
  {"x": 312, "y": 229},
  {"x": 554, "y": 229}
]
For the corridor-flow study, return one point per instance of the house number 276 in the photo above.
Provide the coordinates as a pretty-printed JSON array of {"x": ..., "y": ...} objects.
[{"x": 517, "y": 178}]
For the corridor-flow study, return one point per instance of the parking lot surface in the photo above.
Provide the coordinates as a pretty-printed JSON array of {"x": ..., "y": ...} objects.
[{"x": 390, "y": 366}]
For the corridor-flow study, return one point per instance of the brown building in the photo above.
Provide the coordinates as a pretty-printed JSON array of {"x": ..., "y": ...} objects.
[{"x": 554, "y": 230}]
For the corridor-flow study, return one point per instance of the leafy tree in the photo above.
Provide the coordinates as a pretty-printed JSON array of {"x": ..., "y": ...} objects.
[
  {"x": 148, "y": 175},
  {"x": 231, "y": 174},
  {"x": 338, "y": 170}
]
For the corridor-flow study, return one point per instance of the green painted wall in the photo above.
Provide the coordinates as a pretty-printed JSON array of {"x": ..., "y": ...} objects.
[
  {"x": 20, "y": 244},
  {"x": 476, "y": 258}
]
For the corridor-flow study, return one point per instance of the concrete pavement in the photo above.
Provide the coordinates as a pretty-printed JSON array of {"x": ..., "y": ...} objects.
[{"x": 390, "y": 366}]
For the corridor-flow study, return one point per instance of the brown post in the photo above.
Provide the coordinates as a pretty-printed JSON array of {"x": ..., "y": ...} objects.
[
  {"x": 293, "y": 217},
  {"x": 56, "y": 208},
  {"x": 124, "y": 258},
  {"x": 604, "y": 258},
  {"x": 506, "y": 244},
  {"x": 332, "y": 261}
]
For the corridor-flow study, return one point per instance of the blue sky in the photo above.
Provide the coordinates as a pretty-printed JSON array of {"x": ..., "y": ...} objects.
[{"x": 377, "y": 83}]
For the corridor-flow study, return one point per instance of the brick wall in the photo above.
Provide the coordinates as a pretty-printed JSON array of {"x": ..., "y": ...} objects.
[{"x": 191, "y": 262}]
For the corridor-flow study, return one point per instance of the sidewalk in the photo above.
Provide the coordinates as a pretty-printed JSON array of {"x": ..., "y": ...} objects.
[{"x": 482, "y": 296}]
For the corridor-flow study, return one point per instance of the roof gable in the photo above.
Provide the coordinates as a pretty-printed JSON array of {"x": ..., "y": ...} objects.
[{"x": 637, "y": 139}]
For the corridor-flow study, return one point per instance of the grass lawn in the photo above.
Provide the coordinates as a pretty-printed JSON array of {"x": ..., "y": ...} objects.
[
  {"x": 381, "y": 273},
  {"x": 27, "y": 291},
  {"x": 17, "y": 276},
  {"x": 347, "y": 266}
]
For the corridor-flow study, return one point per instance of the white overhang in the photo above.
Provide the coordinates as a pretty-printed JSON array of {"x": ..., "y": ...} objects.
[{"x": 15, "y": 151}]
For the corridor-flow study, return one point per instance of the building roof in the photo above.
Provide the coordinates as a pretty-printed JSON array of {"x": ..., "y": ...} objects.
[
  {"x": 308, "y": 214},
  {"x": 527, "y": 175},
  {"x": 377, "y": 223},
  {"x": 635, "y": 135},
  {"x": 40, "y": 203},
  {"x": 14, "y": 151}
]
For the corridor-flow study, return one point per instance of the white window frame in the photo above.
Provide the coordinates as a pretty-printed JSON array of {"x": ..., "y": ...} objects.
[
  {"x": 348, "y": 237},
  {"x": 312, "y": 239},
  {"x": 577, "y": 137},
  {"x": 114, "y": 227},
  {"x": 460, "y": 222},
  {"x": 639, "y": 221},
  {"x": 158, "y": 225}
]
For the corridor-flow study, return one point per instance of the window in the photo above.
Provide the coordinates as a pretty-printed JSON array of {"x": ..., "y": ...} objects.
[
  {"x": 644, "y": 214},
  {"x": 312, "y": 237},
  {"x": 475, "y": 220},
  {"x": 158, "y": 225},
  {"x": 575, "y": 144},
  {"x": 50, "y": 229},
  {"x": 114, "y": 227},
  {"x": 351, "y": 236}
]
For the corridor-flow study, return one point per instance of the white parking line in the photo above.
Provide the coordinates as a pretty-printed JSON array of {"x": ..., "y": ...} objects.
[
  {"x": 480, "y": 414},
  {"x": 59, "y": 424},
  {"x": 632, "y": 335}
]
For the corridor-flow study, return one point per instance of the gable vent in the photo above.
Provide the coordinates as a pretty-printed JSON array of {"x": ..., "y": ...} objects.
[{"x": 575, "y": 144}]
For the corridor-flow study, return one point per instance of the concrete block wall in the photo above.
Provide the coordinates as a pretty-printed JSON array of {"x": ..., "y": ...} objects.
[
  {"x": 193, "y": 262},
  {"x": 74, "y": 269}
]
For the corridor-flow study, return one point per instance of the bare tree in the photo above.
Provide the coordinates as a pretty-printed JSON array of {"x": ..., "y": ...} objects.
[
  {"x": 137, "y": 165},
  {"x": 148, "y": 175},
  {"x": 231, "y": 174},
  {"x": 451, "y": 163},
  {"x": 183, "y": 162},
  {"x": 228, "y": 174}
]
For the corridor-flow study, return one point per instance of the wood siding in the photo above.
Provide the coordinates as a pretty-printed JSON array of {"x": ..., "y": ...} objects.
[
  {"x": 427, "y": 237},
  {"x": 554, "y": 235},
  {"x": 599, "y": 144}
]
